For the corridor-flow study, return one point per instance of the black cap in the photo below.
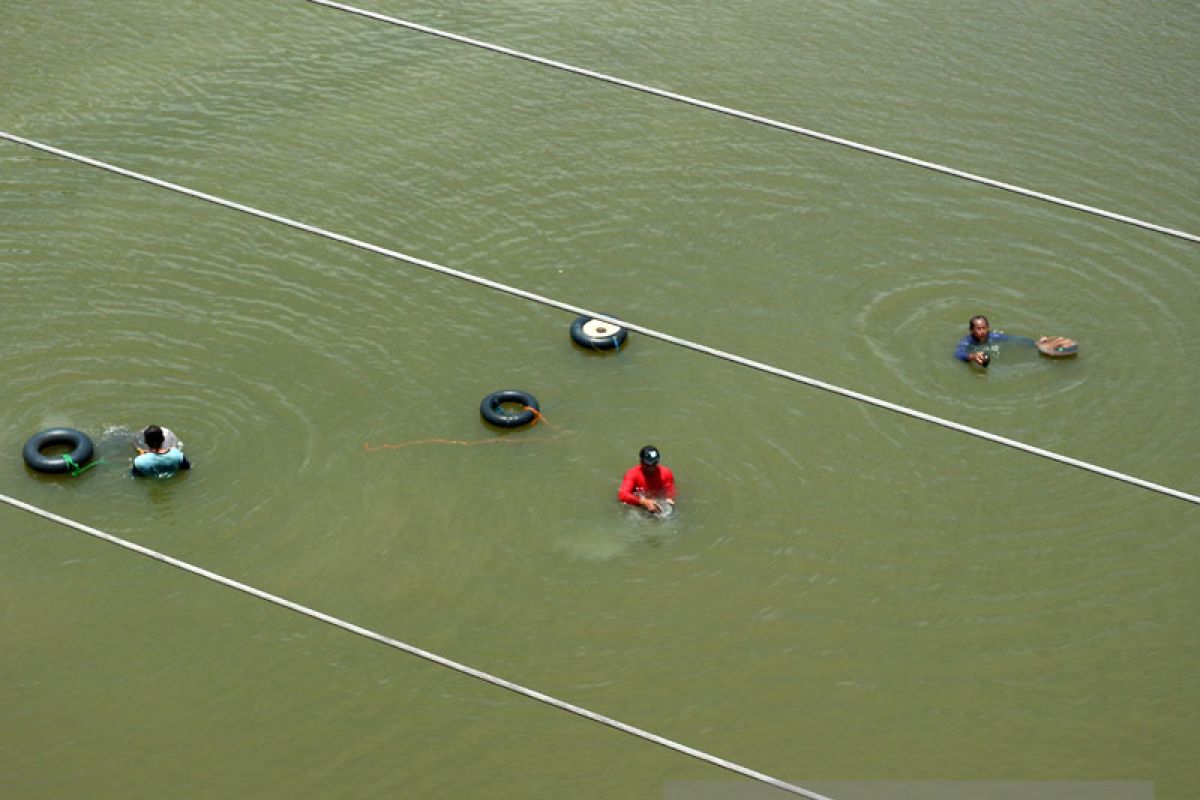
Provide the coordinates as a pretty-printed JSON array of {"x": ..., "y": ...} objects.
[{"x": 649, "y": 455}]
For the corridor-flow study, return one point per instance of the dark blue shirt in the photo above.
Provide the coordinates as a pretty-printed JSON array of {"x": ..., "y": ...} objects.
[{"x": 968, "y": 345}]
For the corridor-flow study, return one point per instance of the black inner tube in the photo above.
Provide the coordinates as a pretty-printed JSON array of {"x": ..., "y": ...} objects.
[
  {"x": 80, "y": 454},
  {"x": 492, "y": 408}
]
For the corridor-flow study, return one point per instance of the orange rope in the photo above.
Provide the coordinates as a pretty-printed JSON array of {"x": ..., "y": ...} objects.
[
  {"x": 371, "y": 448},
  {"x": 537, "y": 417}
]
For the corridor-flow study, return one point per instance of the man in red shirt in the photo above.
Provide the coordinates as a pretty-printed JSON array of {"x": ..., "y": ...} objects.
[{"x": 649, "y": 484}]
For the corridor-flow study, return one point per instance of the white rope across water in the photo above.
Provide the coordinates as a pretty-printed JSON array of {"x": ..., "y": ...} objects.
[
  {"x": 784, "y": 126},
  {"x": 416, "y": 651},
  {"x": 655, "y": 334}
]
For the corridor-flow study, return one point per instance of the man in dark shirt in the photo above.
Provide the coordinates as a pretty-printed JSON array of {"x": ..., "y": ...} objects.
[
  {"x": 973, "y": 348},
  {"x": 978, "y": 345}
]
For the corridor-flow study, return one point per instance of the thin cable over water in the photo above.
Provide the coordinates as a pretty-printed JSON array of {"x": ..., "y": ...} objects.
[
  {"x": 733, "y": 112},
  {"x": 416, "y": 651},
  {"x": 655, "y": 334}
]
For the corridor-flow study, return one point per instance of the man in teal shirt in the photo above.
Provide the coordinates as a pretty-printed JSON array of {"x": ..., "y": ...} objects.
[{"x": 160, "y": 457}]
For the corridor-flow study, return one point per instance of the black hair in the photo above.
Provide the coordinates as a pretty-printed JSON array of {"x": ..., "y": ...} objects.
[{"x": 153, "y": 436}]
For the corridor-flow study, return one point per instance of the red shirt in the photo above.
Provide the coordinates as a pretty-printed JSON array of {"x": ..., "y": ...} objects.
[{"x": 649, "y": 482}]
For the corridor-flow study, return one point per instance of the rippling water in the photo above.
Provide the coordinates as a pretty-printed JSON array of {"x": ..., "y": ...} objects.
[{"x": 845, "y": 594}]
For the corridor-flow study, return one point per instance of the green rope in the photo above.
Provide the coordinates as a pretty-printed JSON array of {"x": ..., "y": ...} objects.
[{"x": 77, "y": 470}]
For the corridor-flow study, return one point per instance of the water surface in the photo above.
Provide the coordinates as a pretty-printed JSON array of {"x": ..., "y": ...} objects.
[{"x": 846, "y": 594}]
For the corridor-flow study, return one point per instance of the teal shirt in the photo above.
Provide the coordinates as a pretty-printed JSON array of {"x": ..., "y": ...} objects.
[{"x": 159, "y": 465}]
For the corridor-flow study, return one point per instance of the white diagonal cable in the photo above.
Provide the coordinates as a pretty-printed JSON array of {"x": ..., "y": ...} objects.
[
  {"x": 655, "y": 334},
  {"x": 416, "y": 651},
  {"x": 784, "y": 126}
]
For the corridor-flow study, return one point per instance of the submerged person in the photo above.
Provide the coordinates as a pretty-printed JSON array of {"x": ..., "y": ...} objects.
[
  {"x": 649, "y": 484},
  {"x": 159, "y": 454},
  {"x": 981, "y": 342}
]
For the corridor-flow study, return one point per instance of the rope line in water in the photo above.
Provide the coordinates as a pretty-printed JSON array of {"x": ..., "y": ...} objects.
[
  {"x": 650, "y": 332},
  {"x": 375, "y": 448},
  {"x": 416, "y": 651},
  {"x": 538, "y": 418},
  {"x": 772, "y": 123}
]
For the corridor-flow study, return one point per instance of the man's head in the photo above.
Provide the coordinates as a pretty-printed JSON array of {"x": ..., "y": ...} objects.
[
  {"x": 649, "y": 456},
  {"x": 153, "y": 437},
  {"x": 979, "y": 328}
]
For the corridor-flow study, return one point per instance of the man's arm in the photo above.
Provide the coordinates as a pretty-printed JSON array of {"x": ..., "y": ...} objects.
[
  {"x": 963, "y": 351},
  {"x": 628, "y": 491}
]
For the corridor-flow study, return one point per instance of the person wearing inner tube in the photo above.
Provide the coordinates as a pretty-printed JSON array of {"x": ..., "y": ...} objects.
[
  {"x": 981, "y": 342},
  {"x": 159, "y": 454},
  {"x": 649, "y": 484}
]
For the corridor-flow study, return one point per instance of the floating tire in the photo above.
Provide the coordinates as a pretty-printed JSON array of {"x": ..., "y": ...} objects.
[
  {"x": 496, "y": 408},
  {"x": 81, "y": 450},
  {"x": 596, "y": 334}
]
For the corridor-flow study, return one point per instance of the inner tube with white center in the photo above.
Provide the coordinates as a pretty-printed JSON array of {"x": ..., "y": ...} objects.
[{"x": 596, "y": 334}]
